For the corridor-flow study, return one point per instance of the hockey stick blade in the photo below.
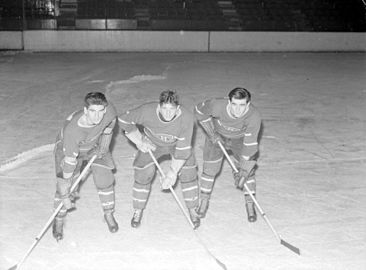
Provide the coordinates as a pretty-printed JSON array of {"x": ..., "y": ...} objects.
[
  {"x": 290, "y": 247},
  {"x": 13, "y": 268}
]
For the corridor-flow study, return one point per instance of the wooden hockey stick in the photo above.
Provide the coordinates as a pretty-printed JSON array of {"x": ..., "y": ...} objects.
[
  {"x": 282, "y": 242},
  {"x": 172, "y": 190},
  {"x": 222, "y": 265},
  {"x": 40, "y": 235}
]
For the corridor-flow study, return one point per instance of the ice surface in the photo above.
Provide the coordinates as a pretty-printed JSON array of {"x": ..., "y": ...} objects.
[{"x": 311, "y": 176}]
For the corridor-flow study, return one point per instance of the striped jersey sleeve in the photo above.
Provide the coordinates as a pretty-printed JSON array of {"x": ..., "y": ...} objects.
[
  {"x": 183, "y": 148},
  {"x": 250, "y": 142},
  {"x": 71, "y": 152}
]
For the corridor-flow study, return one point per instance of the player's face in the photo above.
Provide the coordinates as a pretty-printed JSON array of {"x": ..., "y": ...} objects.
[
  {"x": 168, "y": 111},
  {"x": 238, "y": 107},
  {"x": 94, "y": 114}
]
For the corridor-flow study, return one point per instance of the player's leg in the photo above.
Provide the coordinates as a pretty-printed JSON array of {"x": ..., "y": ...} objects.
[
  {"x": 212, "y": 161},
  {"x": 189, "y": 183},
  {"x": 104, "y": 182},
  {"x": 251, "y": 180},
  {"x": 62, "y": 193},
  {"x": 144, "y": 168}
]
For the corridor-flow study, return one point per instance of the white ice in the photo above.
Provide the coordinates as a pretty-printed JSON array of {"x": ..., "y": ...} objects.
[{"x": 310, "y": 181}]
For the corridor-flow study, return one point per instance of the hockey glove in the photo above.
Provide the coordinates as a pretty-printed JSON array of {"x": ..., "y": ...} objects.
[
  {"x": 215, "y": 138},
  {"x": 169, "y": 179},
  {"x": 246, "y": 169},
  {"x": 145, "y": 145},
  {"x": 209, "y": 128},
  {"x": 63, "y": 188}
]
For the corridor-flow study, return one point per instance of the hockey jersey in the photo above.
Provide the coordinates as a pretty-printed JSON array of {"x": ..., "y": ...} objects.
[
  {"x": 78, "y": 140},
  {"x": 246, "y": 126},
  {"x": 177, "y": 132}
]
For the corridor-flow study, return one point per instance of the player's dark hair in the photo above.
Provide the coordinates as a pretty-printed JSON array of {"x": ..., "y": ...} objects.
[
  {"x": 95, "y": 98},
  {"x": 240, "y": 93},
  {"x": 169, "y": 96}
]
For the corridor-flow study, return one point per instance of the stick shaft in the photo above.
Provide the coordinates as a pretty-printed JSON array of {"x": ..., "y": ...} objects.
[
  {"x": 250, "y": 193},
  {"x": 171, "y": 189},
  {"x": 55, "y": 212}
]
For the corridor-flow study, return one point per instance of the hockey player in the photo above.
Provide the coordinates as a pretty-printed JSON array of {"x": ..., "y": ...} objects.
[
  {"x": 86, "y": 133},
  {"x": 235, "y": 122},
  {"x": 167, "y": 130}
]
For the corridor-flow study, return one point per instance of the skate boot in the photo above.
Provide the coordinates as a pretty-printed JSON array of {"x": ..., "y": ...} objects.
[
  {"x": 194, "y": 218},
  {"x": 57, "y": 228},
  {"x": 202, "y": 209},
  {"x": 252, "y": 215},
  {"x": 136, "y": 219},
  {"x": 111, "y": 222}
]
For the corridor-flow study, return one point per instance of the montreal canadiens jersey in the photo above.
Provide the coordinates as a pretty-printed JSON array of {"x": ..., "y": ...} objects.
[
  {"x": 176, "y": 133},
  {"x": 246, "y": 126}
]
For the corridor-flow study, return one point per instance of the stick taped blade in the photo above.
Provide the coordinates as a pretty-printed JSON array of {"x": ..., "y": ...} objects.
[
  {"x": 291, "y": 247},
  {"x": 14, "y": 267}
]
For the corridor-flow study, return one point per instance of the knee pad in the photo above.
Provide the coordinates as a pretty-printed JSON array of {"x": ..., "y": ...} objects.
[
  {"x": 188, "y": 174},
  {"x": 106, "y": 161},
  {"x": 103, "y": 177},
  {"x": 145, "y": 174},
  {"x": 213, "y": 167}
]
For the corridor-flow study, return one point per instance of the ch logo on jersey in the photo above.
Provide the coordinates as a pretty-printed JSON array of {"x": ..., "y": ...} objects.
[
  {"x": 232, "y": 129},
  {"x": 166, "y": 138}
]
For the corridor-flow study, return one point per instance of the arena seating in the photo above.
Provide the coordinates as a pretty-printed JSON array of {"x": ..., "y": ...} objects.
[{"x": 222, "y": 15}]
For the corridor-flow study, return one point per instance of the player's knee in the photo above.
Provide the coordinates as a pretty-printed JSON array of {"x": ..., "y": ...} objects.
[
  {"x": 145, "y": 174},
  {"x": 212, "y": 168},
  {"x": 103, "y": 177}
]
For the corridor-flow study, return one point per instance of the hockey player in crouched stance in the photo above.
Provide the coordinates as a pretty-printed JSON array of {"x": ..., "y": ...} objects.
[
  {"x": 235, "y": 122},
  {"x": 167, "y": 130},
  {"x": 86, "y": 133}
]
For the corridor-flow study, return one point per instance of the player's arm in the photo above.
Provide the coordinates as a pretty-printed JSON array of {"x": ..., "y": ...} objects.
[
  {"x": 250, "y": 141},
  {"x": 250, "y": 148},
  {"x": 105, "y": 140},
  {"x": 203, "y": 113},
  {"x": 68, "y": 165},
  {"x": 183, "y": 150},
  {"x": 128, "y": 121},
  {"x": 71, "y": 152}
]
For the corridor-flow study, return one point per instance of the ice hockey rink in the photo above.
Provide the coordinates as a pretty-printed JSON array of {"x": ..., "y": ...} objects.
[{"x": 310, "y": 180}]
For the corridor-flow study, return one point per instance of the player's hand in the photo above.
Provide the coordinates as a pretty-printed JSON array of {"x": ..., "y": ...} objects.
[
  {"x": 68, "y": 203},
  {"x": 95, "y": 152},
  {"x": 245, "y": 170},
  {"x": 215, "y": 138},
  {"x": 145, "y": 145},
  {"x": 169, "y": 179}
]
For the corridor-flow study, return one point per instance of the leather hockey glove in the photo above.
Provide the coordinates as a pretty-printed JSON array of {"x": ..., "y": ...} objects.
[
  {"x": 63, "y": 188},
  {"x": 215, "y": 138},
  {"x": 169, "y": 179},
  {"x": 145, "y": 145},
  {"x": 246, "y": 169},
  {"x": 209, "y": 128}
]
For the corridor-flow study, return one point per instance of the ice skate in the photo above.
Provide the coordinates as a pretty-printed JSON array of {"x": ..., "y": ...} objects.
[
  {"x": 194, "y": 218},
  {"x": 252, "y": 215},
  {"x": 57, "y": 228},
  {"x": 202, "y": 209},
  {"x": 111, "y": 222},
  {"x": 136, "y": 219}
]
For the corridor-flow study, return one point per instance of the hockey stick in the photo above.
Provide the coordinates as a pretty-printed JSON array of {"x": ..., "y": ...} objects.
[
  {"x": 222, "y": 265},
  {"x": 40, "y": 235},
  {"x": 282, "y": 242},
  {"x": 171, "y": 190}
]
